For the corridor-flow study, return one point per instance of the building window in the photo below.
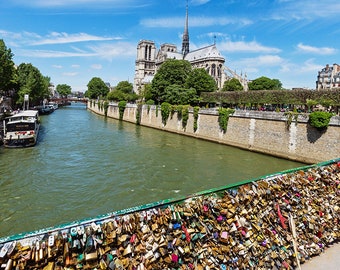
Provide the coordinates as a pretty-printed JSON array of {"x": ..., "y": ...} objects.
[
  {"x": 213, "y": 70},
  {"x": 146, "y": 52}
]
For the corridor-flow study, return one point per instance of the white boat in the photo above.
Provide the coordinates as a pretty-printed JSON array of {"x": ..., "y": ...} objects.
[
  {"x": 53, "y": 105},
  {"x": 21, "y": 129}
]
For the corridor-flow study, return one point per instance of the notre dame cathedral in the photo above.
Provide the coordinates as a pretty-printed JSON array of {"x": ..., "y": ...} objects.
[{"x": 149, "y": 60}]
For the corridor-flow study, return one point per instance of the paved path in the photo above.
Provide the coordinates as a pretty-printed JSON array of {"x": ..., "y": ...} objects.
[{"x": 329, "y": 260}]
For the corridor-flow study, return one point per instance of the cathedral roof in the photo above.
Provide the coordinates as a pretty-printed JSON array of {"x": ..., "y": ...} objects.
[
  {"x": 208, "y": 52},
  {"x": 174, "y": 55}
]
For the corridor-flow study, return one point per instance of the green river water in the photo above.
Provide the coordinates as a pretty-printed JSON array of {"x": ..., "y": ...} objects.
[{"x": 85, "y": 165}]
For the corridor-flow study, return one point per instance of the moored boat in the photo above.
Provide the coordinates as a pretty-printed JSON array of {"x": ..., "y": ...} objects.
[
  {"x": 21, "y": 129},
  {"x": 53, "y": 105}
]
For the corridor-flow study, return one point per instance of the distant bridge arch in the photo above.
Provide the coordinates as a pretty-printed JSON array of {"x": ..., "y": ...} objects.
[{"x": 67, "y": 100}]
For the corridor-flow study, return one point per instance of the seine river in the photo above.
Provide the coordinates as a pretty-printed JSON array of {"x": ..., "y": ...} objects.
[{"x": 85, "y": 165}]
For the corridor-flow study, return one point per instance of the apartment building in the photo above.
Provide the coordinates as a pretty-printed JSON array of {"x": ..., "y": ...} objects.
[{"x": 328, "y": 77}]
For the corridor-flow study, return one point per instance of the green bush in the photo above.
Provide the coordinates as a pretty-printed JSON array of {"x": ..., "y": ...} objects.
[
  {"x": 320, "y": 120},
  {"x": 165, "y": 111},
  {"x": 139, "y": 113},
  {"x": 223, "y": 117},
  {"x": 121, "y": 106},
  {"x": 179, "y": 111},
  {"x": 149, "y": 103},
  {"x": 106, "y": 106},
  {"x": 185, "y": 116},
  {"x": 196, "y": 110}
]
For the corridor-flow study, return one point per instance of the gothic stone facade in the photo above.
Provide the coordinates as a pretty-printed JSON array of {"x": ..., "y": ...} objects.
[{"x": 149, "y": 60}]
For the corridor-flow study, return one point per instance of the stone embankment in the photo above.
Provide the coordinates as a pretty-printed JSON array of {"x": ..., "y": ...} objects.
[
  {"x": 265, "y": 132},
  {"x": 276, "y": 222}
]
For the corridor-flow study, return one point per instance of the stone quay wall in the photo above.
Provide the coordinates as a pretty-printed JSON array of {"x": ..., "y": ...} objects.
[{"x": 264, "y": 132}]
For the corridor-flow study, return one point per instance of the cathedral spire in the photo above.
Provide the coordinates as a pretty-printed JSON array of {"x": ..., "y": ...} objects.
[{"x": 185, "y": 40}]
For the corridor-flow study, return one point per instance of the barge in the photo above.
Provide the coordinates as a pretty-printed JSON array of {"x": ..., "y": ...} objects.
[{"x": 21, "y": 129}]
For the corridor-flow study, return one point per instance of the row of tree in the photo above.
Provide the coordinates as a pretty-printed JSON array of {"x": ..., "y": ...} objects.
[
  {"x": 25, "y": 79},
  {"x": 307, "y": 99},
  {"x": 97, "y": 88},
  {"x": 176, "y": 82}
]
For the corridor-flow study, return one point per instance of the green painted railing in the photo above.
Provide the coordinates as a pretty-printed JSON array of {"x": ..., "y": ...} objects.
[{"x": 158, "y": 204}]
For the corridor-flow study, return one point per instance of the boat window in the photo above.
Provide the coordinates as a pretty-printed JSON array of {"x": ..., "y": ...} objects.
[{"x": 20, "y": 127}]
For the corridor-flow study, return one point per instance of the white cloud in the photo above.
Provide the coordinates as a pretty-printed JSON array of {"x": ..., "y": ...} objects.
[
  {"x": 33, "y": 39},
  {"x": 110, "y": 51},
  {"x": 315, "y": 50},
  {"x": 70, "y": 74},
  {"x": 82, "y": 3},
  {"x": 52, "y": 54},
  {"x": 263, "y": 60},
  {"x": 106, "y": 51},
  {"x": 309, "y": 66},
  {"x": 75, "y": 66},
  {"x": 198, "y": 2},
  {"x": 57, "y": 66},
  {"x": 306, "y": 9},
  {"x": 194, "y": 22},
  {"x": 62, "y": 38},
  {"x": 96, "y": 66},
  {"x": 242, "y": 46}
]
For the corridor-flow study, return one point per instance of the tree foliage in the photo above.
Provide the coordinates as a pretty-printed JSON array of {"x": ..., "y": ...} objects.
[
  {"x": 293, "y": 97},
  {"x": 7, "y": 69},
  {"x": 320, "y": 120},
  {"x": 264, "y": 83},
  {"x": 64, "y": 90},
  {"x": 123, "y": 91},
  {"x": 232, "y": 85},
  {"x": 96, "y": 88},
  {"x": 125, "y": 86},
  {"x": 175, "y": 94},
  {"x": 32, "y": 83},
  {"x": 199, "y": 80},
  {"x": 170, "y": 72}
]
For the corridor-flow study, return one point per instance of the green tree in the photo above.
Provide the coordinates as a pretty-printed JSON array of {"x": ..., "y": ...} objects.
[
  {"x": 64, "y": 90},
  {"x": 175, "y": 94},
  {"x": 96, "y": 88},
  {"x": 232, "y": 85},
  {"x": 32, "y": 83},
  {"x": 264, "y": 83},
  {"x": 7, "y": 69},
  {"x": 171, "y": 72},
  {"x": 123, "y": 91},
  {"x": 117, "y": 95},
  {"x": 201, "y": 81},
  {"x": 146, "y": 92},
  {"x": 125, "y": 86}
]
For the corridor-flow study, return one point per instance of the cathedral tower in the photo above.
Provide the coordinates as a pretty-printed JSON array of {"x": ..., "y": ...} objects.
[
  {"x": 185, "y": 40},
  {"x": 144, "y": 64}
]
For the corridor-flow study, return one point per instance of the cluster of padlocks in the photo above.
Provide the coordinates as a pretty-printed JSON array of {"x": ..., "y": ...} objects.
[{"x": 273, "y": 223}]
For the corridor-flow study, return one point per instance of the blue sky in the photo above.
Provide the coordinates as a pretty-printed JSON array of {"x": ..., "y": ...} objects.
[{"x": 72, "y": 41}]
